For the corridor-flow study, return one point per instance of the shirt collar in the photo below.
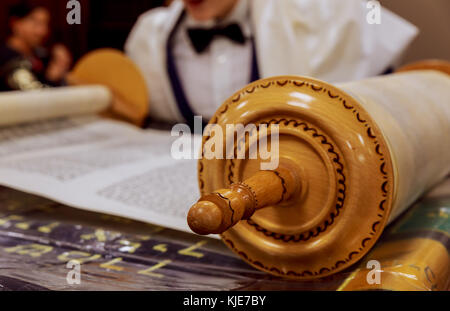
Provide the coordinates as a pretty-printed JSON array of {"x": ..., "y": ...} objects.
[{"x": 240, "y": 14}]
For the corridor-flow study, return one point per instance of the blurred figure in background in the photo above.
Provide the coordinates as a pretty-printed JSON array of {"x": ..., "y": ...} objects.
[
  {"x": 196, "y": 53},
  {"x": 24, "y": 62}
]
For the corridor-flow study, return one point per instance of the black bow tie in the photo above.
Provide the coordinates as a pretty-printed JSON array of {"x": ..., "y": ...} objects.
[{"x": 202, "y": 37}]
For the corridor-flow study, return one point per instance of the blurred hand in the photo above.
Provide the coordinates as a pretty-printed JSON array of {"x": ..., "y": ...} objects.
[{"x": 59, "y": 64}]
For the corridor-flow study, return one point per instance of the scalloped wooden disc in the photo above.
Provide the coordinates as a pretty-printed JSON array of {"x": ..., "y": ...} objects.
[
  {"x": 113, "y": 69},
  {"x": 345, "y": 167}
]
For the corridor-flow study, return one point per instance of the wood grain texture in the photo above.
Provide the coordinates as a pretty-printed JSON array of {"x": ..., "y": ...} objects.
[{"x": 356, "y": 152}]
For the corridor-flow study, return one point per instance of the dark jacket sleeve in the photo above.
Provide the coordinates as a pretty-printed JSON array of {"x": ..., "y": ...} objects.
[{"x": 16, "y": 72}]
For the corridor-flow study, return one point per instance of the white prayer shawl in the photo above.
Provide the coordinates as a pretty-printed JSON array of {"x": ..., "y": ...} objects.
[{"x": 327, "y": 39}]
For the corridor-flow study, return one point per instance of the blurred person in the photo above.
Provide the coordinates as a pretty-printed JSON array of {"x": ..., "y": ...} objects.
[
  {"x": 24, "y": 62},
  {"x": 194, "y": 54}
]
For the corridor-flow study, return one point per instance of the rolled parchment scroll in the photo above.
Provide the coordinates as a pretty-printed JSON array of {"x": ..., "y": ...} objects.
[{"x": 26, "y": 106}]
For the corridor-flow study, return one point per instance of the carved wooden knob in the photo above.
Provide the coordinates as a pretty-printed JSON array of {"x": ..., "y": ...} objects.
[{"x": 217, "y": 212}]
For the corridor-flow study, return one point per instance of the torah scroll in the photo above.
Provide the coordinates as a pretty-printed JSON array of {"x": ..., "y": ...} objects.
[{"x": 352, "y": 157}]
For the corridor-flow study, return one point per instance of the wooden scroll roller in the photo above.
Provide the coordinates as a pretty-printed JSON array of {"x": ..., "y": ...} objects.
[
  {"x": 352, "y": 157},
  {"x": 103, "y": 81}
]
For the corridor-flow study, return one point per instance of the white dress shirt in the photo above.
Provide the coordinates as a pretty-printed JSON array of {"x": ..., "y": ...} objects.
[
  {"x": 211, "y": 77},
  {"x": 325, "y": 39}
]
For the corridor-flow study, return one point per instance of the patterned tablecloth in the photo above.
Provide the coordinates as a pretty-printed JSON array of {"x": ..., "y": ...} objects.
[{"x": 38, "y": 238}]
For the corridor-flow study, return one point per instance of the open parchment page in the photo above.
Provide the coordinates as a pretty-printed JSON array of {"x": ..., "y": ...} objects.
[{"x": 100, "y": 165}]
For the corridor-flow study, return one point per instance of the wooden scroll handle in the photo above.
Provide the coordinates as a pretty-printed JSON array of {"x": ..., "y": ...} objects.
[{"x": 217, "y": 212}]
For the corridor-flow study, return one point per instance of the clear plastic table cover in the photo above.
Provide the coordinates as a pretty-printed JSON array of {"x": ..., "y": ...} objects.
[{"x": 38, "y": 238}]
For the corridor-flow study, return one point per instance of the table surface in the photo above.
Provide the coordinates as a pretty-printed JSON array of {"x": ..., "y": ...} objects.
[{"x": 38, "y": 237}]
